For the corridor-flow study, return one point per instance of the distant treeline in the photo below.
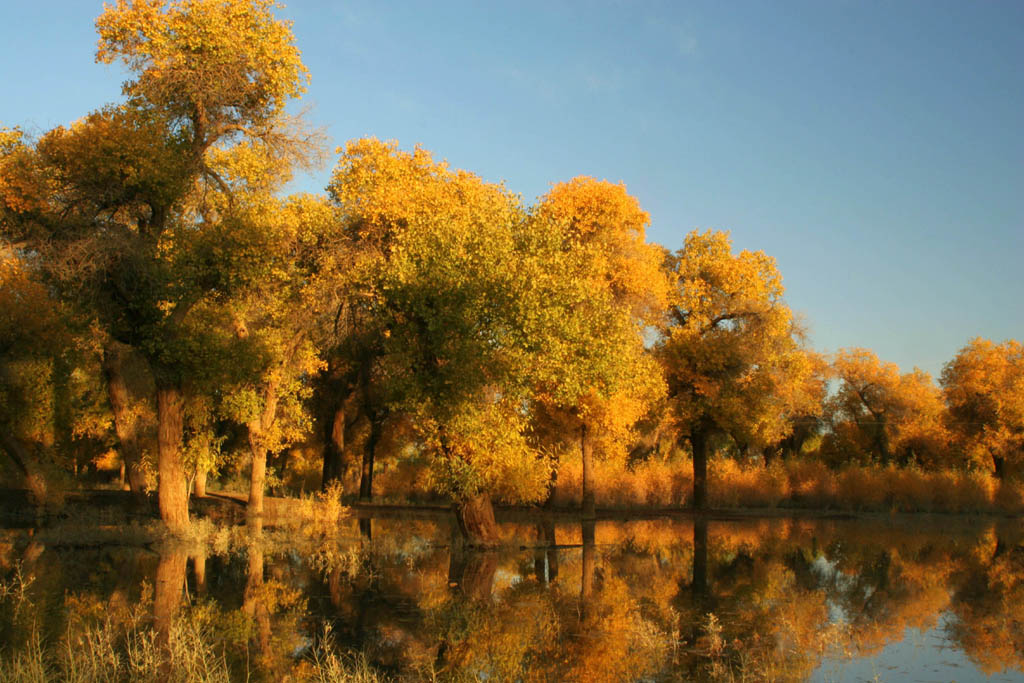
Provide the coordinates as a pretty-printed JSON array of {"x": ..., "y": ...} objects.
[{"x": 166, "y": 309}]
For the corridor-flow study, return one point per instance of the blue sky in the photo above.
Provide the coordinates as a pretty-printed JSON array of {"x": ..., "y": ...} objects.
[{"x": 875, "y": 149}]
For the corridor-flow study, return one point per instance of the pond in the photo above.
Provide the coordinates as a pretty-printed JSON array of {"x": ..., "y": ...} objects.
[{"x": 399, "y": 598}]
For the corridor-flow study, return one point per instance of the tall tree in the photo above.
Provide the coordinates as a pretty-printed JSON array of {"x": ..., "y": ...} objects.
[
  {"x": 444, "y": 298},
  {"x": 119, "y": 204},
  {"x": 282, "y": 315},
  {"x": 606, "y": 285},
  {"x": 728, "y": 336}
]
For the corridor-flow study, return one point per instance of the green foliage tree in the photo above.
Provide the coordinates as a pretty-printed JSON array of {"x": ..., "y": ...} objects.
[
  {"x": 281, "y": 316},
  {"x": 605, "y": 286},
  {"x": 441, "y": 293}
]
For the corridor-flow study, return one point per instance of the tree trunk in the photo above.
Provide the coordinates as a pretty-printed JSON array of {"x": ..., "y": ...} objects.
[
  {"x": 199, "y": 569},
  {"x": 743, "y": 450},
  {"x": 552, "y": 485},
  {"x": 199, "y": 485},
  {"x": 545, "y": 563},
  {"x": 587, "y": 453},
  {"x": 334, "y": 448},
  {"x": 998, "y": 466},
  {"x": 552, "y": 551},
  {"x": 476, "y": 521},
  {"x": 540, "y": 558},
  {"x": 172, "y": 488},
  {"x": 61, "y": 379},
  {"x": 472, "y": 573},
  {"x": 882, "y": 444},
  {"x": 125, "y": 423},
  {"x": 366, "y": 479},
  {"x": 335, "y": 586},
  {"x": 257, "y": 447},
  {"x": 257, "y": 480},
  {"x": 34, "y": 480},
  {"x": 699, "y": 442}
]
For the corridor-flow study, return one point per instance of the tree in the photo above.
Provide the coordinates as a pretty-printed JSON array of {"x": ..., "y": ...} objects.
[
  {"x": 121, "y": 206},
  {"x": 605, "y": 286},
  {"x": 800, "y": 393},
  {"x": 983, "y": 387},
  {"x": 790, "y": 414},
  {"x": 878, "y": 414},
  {"x": 442, "y": 300},
  {"x": 729, "y": 335},
  {"x": 280, "y": 316}
]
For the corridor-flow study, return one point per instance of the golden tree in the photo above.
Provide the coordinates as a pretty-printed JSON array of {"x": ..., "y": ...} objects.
[
  {"x": 605, "y": 286},
  {"x": 121, "y": 205},
  {"x": 983, "y": 387},
  {"x": 729, "y": 336},
  {"x": 881, "y": 415}
]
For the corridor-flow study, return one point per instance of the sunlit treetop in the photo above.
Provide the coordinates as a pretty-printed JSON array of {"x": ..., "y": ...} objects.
[
  {"x": 721, "y": 292},
  {"x": 384, "y": 190},
  {"x": 10, "y": 138},
  {"x": 604, "y": 226},
  {"x": 588, "y": 208},
  {"x": 224, "y": 65}
]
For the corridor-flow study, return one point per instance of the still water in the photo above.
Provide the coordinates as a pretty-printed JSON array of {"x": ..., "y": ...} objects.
[{"x": 398, "y": 599}]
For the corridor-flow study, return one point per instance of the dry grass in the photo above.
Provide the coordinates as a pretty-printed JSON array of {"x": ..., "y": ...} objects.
[
  {"x": 801, "y": 483},
  {"x": 320, "y": 513}
]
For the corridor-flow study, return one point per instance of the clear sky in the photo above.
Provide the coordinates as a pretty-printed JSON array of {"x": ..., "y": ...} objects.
[{"x": 875, "y": 149}]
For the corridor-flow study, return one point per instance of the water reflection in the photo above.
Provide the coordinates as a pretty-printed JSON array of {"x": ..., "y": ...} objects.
[
  {"x": 168, "y": 590},
  {"x": 645, "y": 600}
]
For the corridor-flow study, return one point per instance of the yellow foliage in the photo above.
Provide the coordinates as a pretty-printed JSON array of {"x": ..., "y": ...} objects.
[
  {"x": 602, "y": 226},
  {"x": 439, "y": 272},
  {"x": 607, "y": 286},
  {"x": 984, "y": 389},
  {"x": 231, "y": 60},
  {"x": 731, "y": 351},
  {"x": 879, "y": 414}
]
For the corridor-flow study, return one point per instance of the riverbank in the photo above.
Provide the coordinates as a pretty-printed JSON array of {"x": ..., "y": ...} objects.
[{"x": 104, "y": 507}]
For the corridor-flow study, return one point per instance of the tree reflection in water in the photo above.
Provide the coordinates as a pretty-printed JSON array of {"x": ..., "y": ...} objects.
[
  {"x": 168, "y": 590},
  {"x": 647, "y": 600}
]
